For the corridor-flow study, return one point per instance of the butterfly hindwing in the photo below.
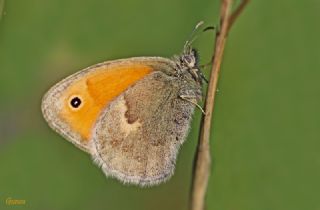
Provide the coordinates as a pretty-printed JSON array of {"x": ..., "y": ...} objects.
[{"x": 138, "y": 135}]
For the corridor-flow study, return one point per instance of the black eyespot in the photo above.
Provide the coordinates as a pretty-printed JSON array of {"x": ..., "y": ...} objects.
[{"x": 75, "y": 102}]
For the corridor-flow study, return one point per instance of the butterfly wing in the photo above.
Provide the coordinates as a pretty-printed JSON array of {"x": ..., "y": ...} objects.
[
  {"x": 94, "y": 88},
  {"x": 138, "y": 135}
]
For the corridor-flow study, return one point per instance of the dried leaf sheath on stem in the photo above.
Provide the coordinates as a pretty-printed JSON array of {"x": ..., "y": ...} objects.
[{"x": 202, "y": 162}]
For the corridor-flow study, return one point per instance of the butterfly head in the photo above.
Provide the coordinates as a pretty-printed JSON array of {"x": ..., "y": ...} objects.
[
  {"x": 188, "y": 64},
  {"x": 188, "y": 61}
]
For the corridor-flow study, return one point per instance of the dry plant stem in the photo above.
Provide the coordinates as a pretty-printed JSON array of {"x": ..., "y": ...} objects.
[
  {"x": 202, "y": 158},
  {"x": 237, "y": 12}
]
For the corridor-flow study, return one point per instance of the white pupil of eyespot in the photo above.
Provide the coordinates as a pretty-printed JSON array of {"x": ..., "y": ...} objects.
[{"x": 75, "y": 102}]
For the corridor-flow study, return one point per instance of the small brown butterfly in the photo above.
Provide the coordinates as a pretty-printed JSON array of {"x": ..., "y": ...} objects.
[{"x": 131, "y": 114}]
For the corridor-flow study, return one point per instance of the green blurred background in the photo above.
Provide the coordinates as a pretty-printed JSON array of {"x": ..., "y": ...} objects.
[{"x": 266, "y": 130}]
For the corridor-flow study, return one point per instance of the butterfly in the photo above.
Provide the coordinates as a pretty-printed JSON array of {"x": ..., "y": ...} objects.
[{"x": 131, "y": 115}]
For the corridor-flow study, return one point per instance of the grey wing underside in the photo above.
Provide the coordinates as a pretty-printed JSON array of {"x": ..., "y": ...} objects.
[{"x": 138, "y": 135}]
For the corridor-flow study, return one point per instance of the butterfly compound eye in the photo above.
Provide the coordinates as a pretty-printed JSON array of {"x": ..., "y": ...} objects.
[{"x": 75, "y": 102}]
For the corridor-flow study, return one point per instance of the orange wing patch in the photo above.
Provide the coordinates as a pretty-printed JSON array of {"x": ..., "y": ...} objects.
[{"x": 96, "y": 90}]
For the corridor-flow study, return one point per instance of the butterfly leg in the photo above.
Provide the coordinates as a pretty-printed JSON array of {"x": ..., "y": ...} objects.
[{"x": 192, "y": 99}]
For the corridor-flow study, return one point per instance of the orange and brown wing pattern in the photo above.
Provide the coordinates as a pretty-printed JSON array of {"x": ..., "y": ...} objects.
[{"x": 94, "y": 88}]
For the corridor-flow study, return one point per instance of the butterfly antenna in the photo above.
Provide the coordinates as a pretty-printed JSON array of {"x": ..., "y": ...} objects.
[{"x": 193, "y": 35}]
